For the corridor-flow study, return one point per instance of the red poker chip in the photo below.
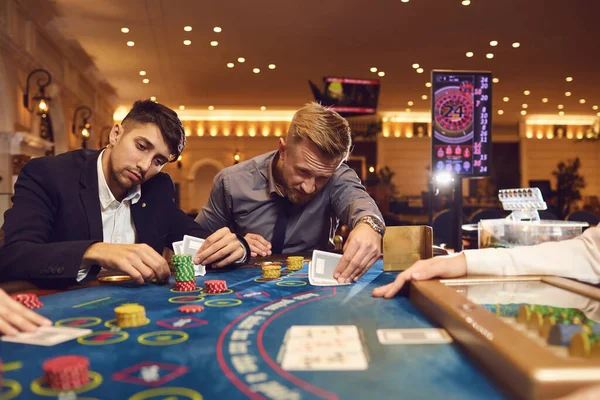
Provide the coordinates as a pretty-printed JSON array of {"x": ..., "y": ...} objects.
[
  {"x": 191, "y": 308},
  {"x": 65, "y": 363},
  {"x": 215, "y": 286},
  {"x": 29, "y": 300},
  {"x": 66, "y": 372}
]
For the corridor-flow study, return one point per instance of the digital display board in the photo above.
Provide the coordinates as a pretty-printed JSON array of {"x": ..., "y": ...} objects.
[{"x": 461, "y": 122}]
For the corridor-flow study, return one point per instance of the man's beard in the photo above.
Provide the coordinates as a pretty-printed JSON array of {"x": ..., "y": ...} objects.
[
  {"x": 295, "y": 197},
  {"x": 122, "y": 179}
]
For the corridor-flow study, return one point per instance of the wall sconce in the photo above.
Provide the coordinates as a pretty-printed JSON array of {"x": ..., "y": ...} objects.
[
  {"x": 85, "y": 128},
  {"x": 40, "y": 97},
  {"x": 236, "y": 157},
  {"x": 179, "y": 164}
]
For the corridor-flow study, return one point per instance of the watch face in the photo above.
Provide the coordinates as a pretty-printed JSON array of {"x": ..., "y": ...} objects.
[{"x": 453, "y": 110}]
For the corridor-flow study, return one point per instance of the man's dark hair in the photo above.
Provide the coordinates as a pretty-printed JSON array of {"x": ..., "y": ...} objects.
[{"x": 150, "y": 112}]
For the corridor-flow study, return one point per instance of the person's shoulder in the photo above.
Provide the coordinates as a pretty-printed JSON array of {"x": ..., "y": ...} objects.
[
  {"x": 162, "y": 180},
  {"x": 248, "y": 168},
  {"x": 63, "y": 163}
]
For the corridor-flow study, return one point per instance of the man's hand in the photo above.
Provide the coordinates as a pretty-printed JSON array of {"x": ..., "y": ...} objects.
[
  {"x": 139, "y": 261},
  {"x": 220, "y": 249},
  {"x": 15, "y": 317},
  {"x": 361, "y": 251},
  {"x": 258, "y": 245},
  {"x": 450, "y": 266}
]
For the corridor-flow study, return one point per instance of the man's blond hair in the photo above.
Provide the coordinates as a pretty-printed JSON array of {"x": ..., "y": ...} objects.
[{"x": 324, "y": 127}]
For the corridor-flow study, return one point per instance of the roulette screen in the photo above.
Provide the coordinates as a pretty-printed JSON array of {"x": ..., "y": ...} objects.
[{"x": 461, "y": 122}]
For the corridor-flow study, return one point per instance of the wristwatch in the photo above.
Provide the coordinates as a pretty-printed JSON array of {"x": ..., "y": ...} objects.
[{"x": 375, "y": 223}]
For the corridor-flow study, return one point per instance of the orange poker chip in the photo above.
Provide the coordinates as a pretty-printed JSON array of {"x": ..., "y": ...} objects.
[{"x": 191, "y": 308}]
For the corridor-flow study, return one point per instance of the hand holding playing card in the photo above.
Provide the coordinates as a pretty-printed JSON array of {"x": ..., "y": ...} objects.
[
  {"x": 361, "y": 251},
  {"x": 220, "y": 249},
  {"x": 15, "y": 318}
]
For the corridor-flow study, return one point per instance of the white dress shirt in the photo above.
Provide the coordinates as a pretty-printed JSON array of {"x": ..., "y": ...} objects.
[
  {"x": 117, "y": 224},
  {"x": 577, "y": 258}
]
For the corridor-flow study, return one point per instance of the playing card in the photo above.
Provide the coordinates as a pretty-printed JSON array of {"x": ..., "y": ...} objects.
[
  {"x": 316, "y": 331},
  {"x": 178, "y": 247},
  {"x": 47, "y": 335},
  {"x": 325, "y": 361},
  {"x": 413, "y": 336},
  {"x": 191, "y": 245},
  {"x": 321, "y": 268}
]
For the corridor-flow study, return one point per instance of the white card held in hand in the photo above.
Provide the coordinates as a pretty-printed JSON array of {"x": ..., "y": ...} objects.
[
  {"x": 321, "y": 268},
  {"x": 191, "y": 245},
  {"x": 48, "y": 335},
  {"x": 178, "y": 247},
  {"x": 413, "y": 336}
]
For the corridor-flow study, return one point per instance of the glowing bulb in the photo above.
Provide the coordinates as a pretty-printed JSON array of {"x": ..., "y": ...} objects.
[
  {"x": 381, "y": 73},
  {"x": 214, "y": 43},
  {"x": 256, "y": 70},
  {"x": 142, "y": 73},
  {"x": 272, "y": 66},
  {"x": 411, "y": 103},
  {"x": 371, "y": 169},
  {"x": 182, "y": 108},
  {"x": 373, "y": 69},
  {"x": 43, "y": 106},
  {"x": 217, "y": 29},
  {"x": 125, "y": 30},
  {"x": 146, "y": 80},
  {"x": 500, "y": 112},
  {"x": 516, "y": 45},
  {"x": 489, "y": 55},
  {"x": 85, "y": 133},
  {"x": 131, "y": 43},
  {"x": 211, "y": 108},
  {"x": 545, "y": 100},
  {"x": 241, "y": 60},
  {"x": 527, "y": 92},
  {"x": 230, "y": 65},
  {"x": 187, "y": 28},
  {"x": 505, "y": 99},
  {"x": 469, "y": 54},
  {"x": 263, "y": 108},
  {"x": 427, "y": 84},
  {"x": 415, "y": 65},
  {"x": 420, "y": 70},
  {"x": 187, "y": 42},
  {"x": 494, "y": 43}
]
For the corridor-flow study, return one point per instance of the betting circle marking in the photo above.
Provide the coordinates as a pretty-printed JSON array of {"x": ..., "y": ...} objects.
[
  {"x": 162, "y": 338},
  {"x": 93, "y": 321},
  {"x": 262, "y": 280},
  {"x": 186, "y": 299},
  {"x": 113, "y": 324},
  {"x": 116, "y": 337},
  {"x": 14, "y": 389},
  {"x": 291, "y": 283},
  {"x": 198, "y": 289},
  {"x": 168, "y": 392},
  {"x": 37, "y": 388},
  {"x": 223, "y": 302},
  {"x": 228, "y": 291}
]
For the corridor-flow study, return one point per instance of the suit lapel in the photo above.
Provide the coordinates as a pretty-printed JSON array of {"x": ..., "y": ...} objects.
[{"x": 90, "y": 197}]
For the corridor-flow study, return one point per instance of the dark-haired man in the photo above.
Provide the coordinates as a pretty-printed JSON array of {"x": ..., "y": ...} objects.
[{"x": 113, "y": 208}]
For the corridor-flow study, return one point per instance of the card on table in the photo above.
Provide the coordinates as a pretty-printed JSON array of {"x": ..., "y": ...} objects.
[
  {"x": 325, "y": 361},
  {"x": 413, "y": 336},
  {"x": 321, "y": 268},
  {"x": 48, "y": 335},
  {"x": 313, "y": 331}
]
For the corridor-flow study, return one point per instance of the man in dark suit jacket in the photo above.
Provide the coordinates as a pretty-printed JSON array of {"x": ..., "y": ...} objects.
[{"x": 112, "y": 208}]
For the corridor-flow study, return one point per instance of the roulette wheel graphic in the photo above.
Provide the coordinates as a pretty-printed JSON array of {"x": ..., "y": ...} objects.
[{"x": 453, "y": 113}]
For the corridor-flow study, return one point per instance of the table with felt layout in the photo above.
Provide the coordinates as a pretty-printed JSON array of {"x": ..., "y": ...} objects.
[{"x": 230, "y": 349}]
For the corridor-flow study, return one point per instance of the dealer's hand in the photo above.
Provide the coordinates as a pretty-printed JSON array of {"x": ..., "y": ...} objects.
[
  {"x": 450, "y": 266},
  {"x": 361, "y": 251},
  {"x": 15, "y": 317}
]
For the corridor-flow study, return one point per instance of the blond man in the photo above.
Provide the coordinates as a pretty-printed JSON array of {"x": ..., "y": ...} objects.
[{"x": 291, "y": 200}]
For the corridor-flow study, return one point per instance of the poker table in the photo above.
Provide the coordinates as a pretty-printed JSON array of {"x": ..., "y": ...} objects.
[{"x": 230, "y": 349}]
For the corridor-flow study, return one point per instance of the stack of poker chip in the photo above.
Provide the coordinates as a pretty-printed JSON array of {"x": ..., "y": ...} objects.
[
  {"x": 294, "y": 263},
  {"x": 584, "y": 344},
  {"x": 185, "y": 277},
  {"x": 271, "y": 270},
  {"x": 130, "y": 315},
  {"x": 66, "y": 372},
  {"x": 29, "y": 300},
  {"x": 191, "y": 308},
  {"x": 215, "y": 286}
]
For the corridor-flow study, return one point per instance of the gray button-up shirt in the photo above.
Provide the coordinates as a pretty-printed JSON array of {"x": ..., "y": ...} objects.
[{"x": 244, "y": 199}]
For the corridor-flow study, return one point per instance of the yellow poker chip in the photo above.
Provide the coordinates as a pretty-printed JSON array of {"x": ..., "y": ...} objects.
[
  {"x": 580, "y": 345},
  {"x": 129, "y": 309}
]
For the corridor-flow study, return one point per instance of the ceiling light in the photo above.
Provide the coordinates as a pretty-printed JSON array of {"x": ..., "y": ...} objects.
[
  {"x": 187, "y": 42},
  {"x": 494, "y": 43},
  {"x": 567, "y": 94},
  {"x": 415, "y": 65},
  {"x": 146, "y": 80},
  {"x": 241, "y": 59},
  {"x": 526, "y": 92},
  {"x": 256, "y": 70},
  {"x": 131, "y": 43},
  {"x": 545, "y": 100},
  {"x": 594, "y": 107},
  {"x": 142, "y": 73},
  {"x": 272, "y": 66},
  {"x": 230, "y": 65},
  {"x": 419, "y": 70},
  {"x": 125, "y": 30},
  {"x": 214, "y": 43},
  {"x": 466, "y": 2},
  {"x": 263, "y": 108},
  {"x": 411, "y": 103},
  {"x": 373, "y": 69},
  {"x": 489, "y": 55},
  {"x": 560, "y": 106},
  {"x": 495, "y": 80},
  {"x": 182, "y": 108},
  {"x": 524, "y": 105},
  {"x": 598, "y": 114},
  {"x": 561, "y": 113},
  {"x": 523, "y": 112},
  {"x": 424, "y": 97},
  {"x": 427, "y": 84},
  {"x": 217, "y": 29},
  {"x": 381, "y": 73},
  {"x": 569, "y": 79},
  {"x": 153, "y": 98},
  {"x": 211, "y": 108},
  {"x": 581, "y": 101},
  {"x": 516, "y": 45},
  {"x": 469, "y": 54},
  {"x": 500, "y": 112},
  {"x": 505, "y": 99},
  {"x": 187, "y": 28},
  {"x": 407, "y": 110},
  {"x": 404, "y": 1}
]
